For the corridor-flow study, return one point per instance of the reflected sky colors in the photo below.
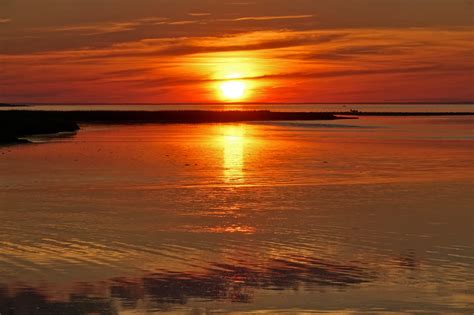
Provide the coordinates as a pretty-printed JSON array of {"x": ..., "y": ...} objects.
[
  {"x": 285, "y": 51},
  {"x": 241, "y": 217}
]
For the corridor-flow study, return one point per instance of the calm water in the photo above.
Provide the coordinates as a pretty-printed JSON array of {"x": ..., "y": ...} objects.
[{"x": 371, "y": 215}]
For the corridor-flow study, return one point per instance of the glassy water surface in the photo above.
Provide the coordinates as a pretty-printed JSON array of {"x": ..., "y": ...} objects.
[{"x": 370, "y": 215}]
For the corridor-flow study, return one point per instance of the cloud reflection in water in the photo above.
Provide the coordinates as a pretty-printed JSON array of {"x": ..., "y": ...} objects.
[{"x": 221, "y": 282}]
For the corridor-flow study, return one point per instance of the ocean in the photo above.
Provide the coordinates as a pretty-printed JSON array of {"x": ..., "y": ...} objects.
[{"x": 348, "y": 216}]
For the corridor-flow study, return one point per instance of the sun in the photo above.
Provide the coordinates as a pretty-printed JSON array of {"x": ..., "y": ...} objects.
[{"x": 233, "y": 90}]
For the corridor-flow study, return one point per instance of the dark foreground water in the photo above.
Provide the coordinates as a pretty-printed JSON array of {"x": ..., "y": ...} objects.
[{"x": 368, "y": 216}]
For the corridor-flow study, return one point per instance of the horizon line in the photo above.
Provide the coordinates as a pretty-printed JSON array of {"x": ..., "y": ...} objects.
[{"x": 467, "y": 102}]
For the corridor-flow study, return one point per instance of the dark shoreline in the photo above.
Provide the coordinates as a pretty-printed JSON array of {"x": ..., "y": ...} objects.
[
  {"x": 164, "y": 116},
  {"x": 15, "y": 124},
  {"x": 407, "y": 114}
]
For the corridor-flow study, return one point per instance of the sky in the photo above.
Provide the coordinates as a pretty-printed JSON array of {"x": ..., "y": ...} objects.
[{"x": 187, "y": 51}]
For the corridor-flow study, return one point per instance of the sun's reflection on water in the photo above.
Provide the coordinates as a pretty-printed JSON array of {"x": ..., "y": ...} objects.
[{"x": 233, "y": 142}]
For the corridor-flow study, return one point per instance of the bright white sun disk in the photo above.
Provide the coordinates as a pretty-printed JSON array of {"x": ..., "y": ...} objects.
[{"x": 233, "y": 90}]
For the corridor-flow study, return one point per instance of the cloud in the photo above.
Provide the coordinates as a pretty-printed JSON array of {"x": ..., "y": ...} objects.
[
  {"x": 322, "y": 74},
  {"x": 175, "y": 81},
  {"x": 97, "y": 28},
  {"x": 181, "y": 47},
  {"x": 359, "y": 72},
  {"x": 4, "y": 21},
  {"x": 92, "y": 29},
  {"x": 353, "y": 51},
  {"x": 181, "y": 22},
  {"x": 113, "y": 27},
  {"x": 127, "y": 72},
  {"x": 199, "y": 14},
  {"x": 286, "y": 65},
  {"x": 269, "y": 18}
]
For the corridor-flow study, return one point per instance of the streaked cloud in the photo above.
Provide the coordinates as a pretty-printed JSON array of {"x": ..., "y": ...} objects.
[
  {"x": 297, "y": 50},
  {"x": 94, "y": 29},
  {"x": 199, "y": 14},
  {"x": 246, "y": 42},
  {"x": 181, "y": 22},
  {"x": 269, "y": 18}
]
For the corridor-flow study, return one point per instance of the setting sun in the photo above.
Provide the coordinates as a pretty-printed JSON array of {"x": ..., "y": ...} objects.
[
  {"x": 233, "y": 90},
  {"x": 259, "y": 156}
]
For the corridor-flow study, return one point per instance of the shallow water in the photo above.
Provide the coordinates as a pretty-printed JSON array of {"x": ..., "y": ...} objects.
[{"x": 370, "y": 215}]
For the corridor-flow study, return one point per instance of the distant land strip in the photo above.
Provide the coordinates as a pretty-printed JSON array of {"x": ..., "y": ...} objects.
[
  {"x": 361, "y": 113},
  {"x": 15, "y": 124}
]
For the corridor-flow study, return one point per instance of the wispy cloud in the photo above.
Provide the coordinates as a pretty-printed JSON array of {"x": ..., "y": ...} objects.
[
  {"x": 182, "y": 47},
  {"x": 116, "y": 27},
  {"x": 199, "y": 14},
  {"x": 176, "y": 81},
  {"x": 4, "y": 20},
  {"x": 110, "y": 27},
  {"x": 269, "y": 18},
  {"x": 185, "y": 22},
  {"x": 310, "y": 64},
  {"x": 98, "y": 28},
  {"x": 361, "y": 72},
  {"x": 357, "y": 51}
]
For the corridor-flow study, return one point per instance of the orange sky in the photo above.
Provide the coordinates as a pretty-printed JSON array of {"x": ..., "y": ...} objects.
[{"x": 155, "y": 51}]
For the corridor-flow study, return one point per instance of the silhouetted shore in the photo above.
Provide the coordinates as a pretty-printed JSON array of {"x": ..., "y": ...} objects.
[
  {"x": 185, "y": 116},
  {"x": 11, "y": 105},
  {"x": 15, "y": 124},
  {"x": 408, "y": 114},
  {"x": 18, "y": 123}
]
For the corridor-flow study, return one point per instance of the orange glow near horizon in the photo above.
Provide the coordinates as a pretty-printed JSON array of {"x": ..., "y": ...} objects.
[
  {"x": 275, "y": 66},
  {"x": 232, "y": 74}
]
